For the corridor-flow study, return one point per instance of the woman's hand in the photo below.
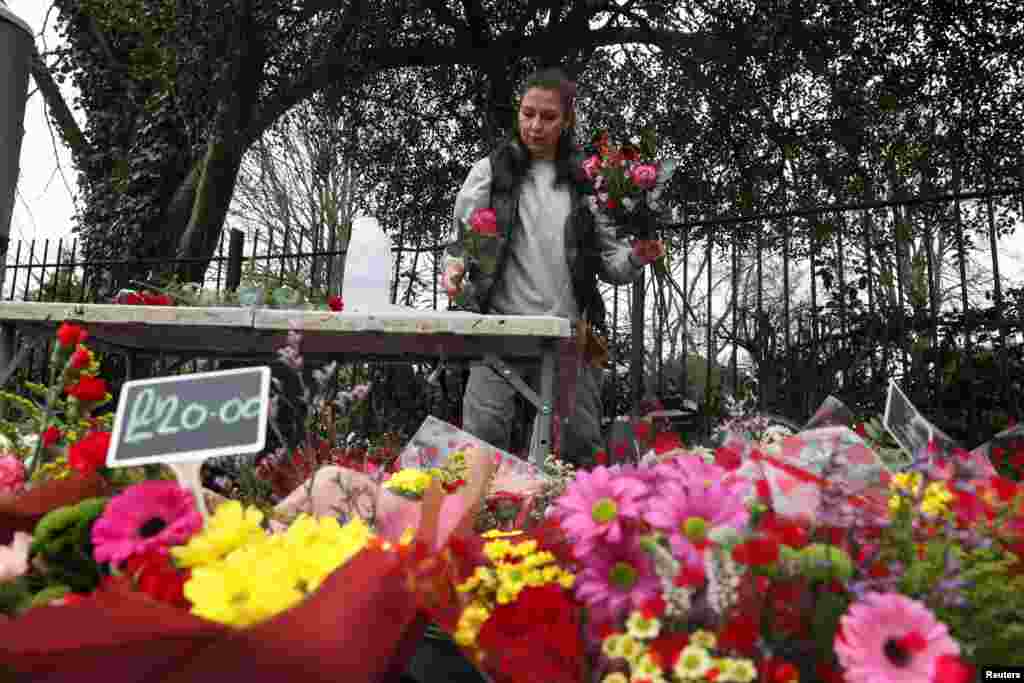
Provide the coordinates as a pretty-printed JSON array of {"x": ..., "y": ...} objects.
[
  {"x": 451, "y": 278},
  {"x": 647, "y": 251}
]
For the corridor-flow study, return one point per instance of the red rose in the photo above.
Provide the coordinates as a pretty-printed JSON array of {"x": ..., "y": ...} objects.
[
  {"x": 80, "y": 358},
  {"x": 727, "y": 458},
  {"x": 612, "y": 203},
  {"x": 335, "y": 303},
  {"x": 601, "y": 457},
  {"x": 89, "y": 453},
  {"x": 484, "y": 222},
  {"x": 70, "y": 335},
  {"x": 88, "y": 389},
  {"x": 50, "y": 436},
  {"x": 667, "y": 441},
  {"x": 129, "y": 299}
]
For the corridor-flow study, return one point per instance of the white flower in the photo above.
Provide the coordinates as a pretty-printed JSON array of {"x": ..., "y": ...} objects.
[
  {"x": 5, "y": 444},
  {"x": 693, "y": 663},
  {"x": 641, "y": 627}
]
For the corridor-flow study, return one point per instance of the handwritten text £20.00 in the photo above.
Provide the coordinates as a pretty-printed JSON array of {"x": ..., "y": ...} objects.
[{"x": 148, "y": 411}]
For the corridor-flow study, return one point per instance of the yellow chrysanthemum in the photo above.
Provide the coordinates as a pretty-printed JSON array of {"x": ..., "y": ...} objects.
[
  {"x": 320, "y": 546},
  {"x": 230, "y": 527},
  {"x": 693, "y": 662},
  {"x": 567, "y": 580},
  {"x": 496, "y": 551},
  {"x": 704, "y": 639},
  {"x": 252, "y": 585},
  {"x": 937, "y": 498},
  {"x": 538, "y": 559},
  {"x": 525, "y": 548},
  {"x": 615, "y": 677},
  {"x": 641, "y": 627},
  {"x": 409, "y": 481},
  {"x": 470, "y": 621}
]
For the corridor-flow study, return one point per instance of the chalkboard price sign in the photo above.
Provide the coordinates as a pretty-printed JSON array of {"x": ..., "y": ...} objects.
[{"x": 193, "y": 417}]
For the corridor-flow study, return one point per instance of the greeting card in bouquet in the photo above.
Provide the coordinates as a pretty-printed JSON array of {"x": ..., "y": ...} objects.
[
  {"x": 435, "y": 441},
  {"x": 805, "y": 465},
  {"x": 920, "y": 439}
]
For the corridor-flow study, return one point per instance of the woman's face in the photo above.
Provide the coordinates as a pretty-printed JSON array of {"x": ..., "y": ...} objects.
[{"x": 540, "y": 122}]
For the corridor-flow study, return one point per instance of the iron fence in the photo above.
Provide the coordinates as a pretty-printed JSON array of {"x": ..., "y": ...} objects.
[{"x": 876, "y": 300}]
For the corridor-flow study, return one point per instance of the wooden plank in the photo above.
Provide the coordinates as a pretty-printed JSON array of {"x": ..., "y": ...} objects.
[
  {"x": 56, "y": 313},
  {"x": 413, "y": 322}
]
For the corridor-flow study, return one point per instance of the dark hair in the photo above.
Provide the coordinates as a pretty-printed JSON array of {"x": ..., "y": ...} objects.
[{"x": 566, "y": 154}]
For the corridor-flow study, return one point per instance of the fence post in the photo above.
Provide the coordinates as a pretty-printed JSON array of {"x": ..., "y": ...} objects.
[{"x": 236, "y": 245}]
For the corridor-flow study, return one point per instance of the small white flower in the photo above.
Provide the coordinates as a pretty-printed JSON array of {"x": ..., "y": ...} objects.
[
  {"x": 693, "y": 663},
  {"x": 641, "y": 627}
]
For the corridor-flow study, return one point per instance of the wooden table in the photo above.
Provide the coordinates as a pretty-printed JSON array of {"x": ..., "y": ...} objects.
[{"x": 396, "y": 334}]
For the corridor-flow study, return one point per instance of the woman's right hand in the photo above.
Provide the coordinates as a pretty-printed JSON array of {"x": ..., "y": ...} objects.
[{"x": 451, "y": 278}]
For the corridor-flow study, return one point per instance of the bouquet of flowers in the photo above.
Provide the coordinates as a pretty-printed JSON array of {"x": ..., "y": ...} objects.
[{"x": 628, "y": 182}]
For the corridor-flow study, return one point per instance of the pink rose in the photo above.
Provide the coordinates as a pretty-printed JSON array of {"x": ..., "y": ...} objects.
[
  {"x": 592, "y": 166},
  {"x": 485, "y": 222},
  {"x": 12, "y": 474},
  {"x": 644, "y": 176}
]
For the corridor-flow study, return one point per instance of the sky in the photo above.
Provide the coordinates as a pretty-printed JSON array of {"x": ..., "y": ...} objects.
[{"x": 44, "y": 203}]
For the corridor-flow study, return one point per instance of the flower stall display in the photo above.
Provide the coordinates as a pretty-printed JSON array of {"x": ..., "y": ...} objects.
[{"x": 688, "y": 570}]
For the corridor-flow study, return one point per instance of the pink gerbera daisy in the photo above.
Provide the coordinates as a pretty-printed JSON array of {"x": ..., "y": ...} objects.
[
  {"x": 616, "y": 578},
  {"x": 694, "y": 498},
  {"x": 889, "y": 638},
  {"x": 595, "y": 506},
  {"x": 151, "y": 515}
]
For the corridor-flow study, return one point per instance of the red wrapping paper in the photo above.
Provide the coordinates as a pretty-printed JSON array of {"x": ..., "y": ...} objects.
[
  {"x": 362, "y": 625},
  {"x": 23, "y": 512}
]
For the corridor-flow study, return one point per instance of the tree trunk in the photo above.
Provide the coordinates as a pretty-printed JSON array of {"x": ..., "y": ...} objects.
[{"x": 212, "y": 197}]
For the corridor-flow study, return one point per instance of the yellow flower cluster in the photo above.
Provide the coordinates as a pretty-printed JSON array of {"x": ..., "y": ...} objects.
[
  {"x": 409, "y": 481},
  {"x": 242, "y": 575},
  {"x": 694, "y": 662},
  {"x": 937, "y": 495},
  {"x": 515, "y": 567}
]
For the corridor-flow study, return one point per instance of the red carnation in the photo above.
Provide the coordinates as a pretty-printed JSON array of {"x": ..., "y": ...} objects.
[
  {"x": 335, "y": 303},
  {"x": 70, "y": 335},
  {"x": 665, "y": 648},
  {"x": 51, "y": 436},
  {"x": 759, "y": 550},
  {"x": 667, "y": 441},
  {"x": 89, "y": 453},
  {"x": 80, "y": 358},
  {"x": 88, "y": 389},
  {"x": 739, "y": 634},
  {"x": 155, "y": 576}
]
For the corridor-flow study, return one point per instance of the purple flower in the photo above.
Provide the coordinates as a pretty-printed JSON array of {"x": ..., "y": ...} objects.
[{"x": 595, "y": 506}]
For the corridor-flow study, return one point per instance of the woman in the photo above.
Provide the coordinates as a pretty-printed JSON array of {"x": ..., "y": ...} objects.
[{"x": 552, "y": 249}]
